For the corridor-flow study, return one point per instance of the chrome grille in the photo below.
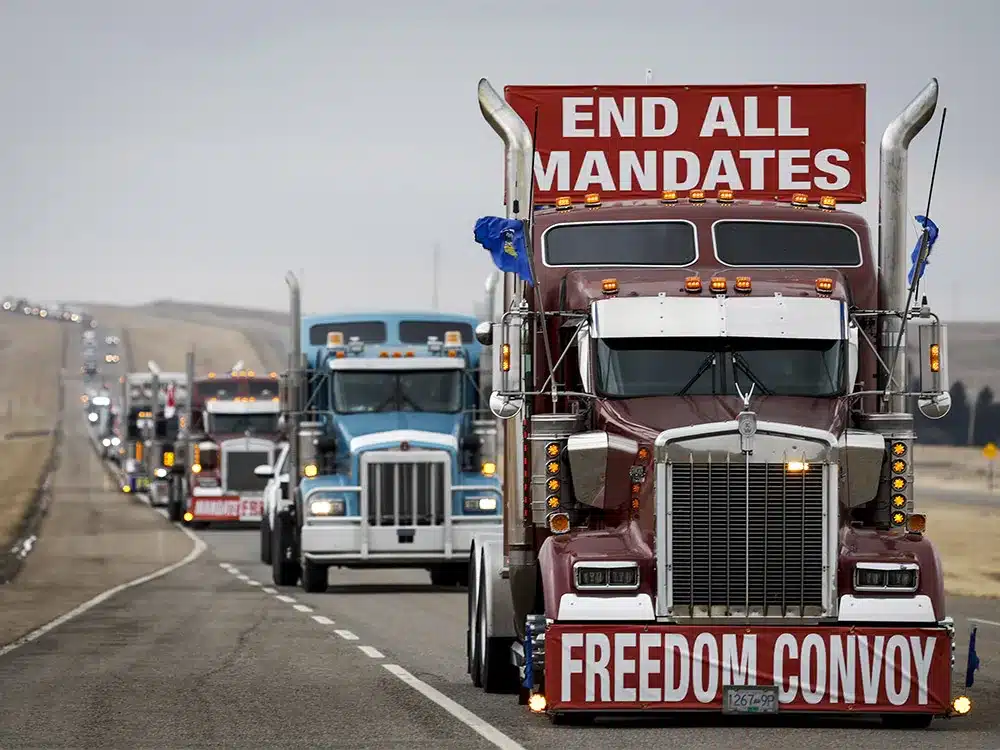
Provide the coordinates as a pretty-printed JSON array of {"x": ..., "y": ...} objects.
[
  {"x": 407, "y": 492},
  {"x": 746, "y": 539},
  {"x": 239, "y": 470}
]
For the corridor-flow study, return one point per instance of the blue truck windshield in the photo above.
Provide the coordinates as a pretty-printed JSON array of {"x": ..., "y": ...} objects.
[
  {"x": 370, "y": 391},
  {"x": 634, "y": 368}
]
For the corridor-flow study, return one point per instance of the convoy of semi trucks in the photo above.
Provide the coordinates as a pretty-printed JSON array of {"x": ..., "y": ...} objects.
[{"x": 672, "y": 466}]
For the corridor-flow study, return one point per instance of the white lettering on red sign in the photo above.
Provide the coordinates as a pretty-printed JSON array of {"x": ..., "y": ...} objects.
[
  {"x": 664, "y": 667},
  {"x": 755, "y": 140},
  {"x": 226, "y": 508}
]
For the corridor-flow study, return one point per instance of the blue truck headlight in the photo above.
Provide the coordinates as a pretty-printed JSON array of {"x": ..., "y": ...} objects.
[
  {"x": 327, "y": 507},
  {"x": 480, "y": 504}
]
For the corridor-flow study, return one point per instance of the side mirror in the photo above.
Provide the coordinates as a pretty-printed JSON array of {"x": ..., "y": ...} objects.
[
  {"x": 505, "y": 407},
  {"x": 484, "y": 333},
  {"x": 933, "y": 352},
  {"x": 264, "y": 471}
]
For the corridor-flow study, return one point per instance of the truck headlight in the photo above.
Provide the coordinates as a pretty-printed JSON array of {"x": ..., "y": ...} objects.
[
  {"x": 333, "y": 507},
  {"x": 116, "y": 441},
  {"x": 474, "y": 504},
  {"x": 161, "y": 472},
  {"x": 606, "y": 575},
  {"x": 92, "y": 417},
  {"x": 886, "y": 577},
  {"x": 106, "y": 442}
]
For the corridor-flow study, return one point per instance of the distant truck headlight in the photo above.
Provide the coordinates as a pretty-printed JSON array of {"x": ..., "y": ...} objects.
[
  {"x": 106, "y": 442},
  {"x": 116, "y": 441},
  {"x": 331, "y": 507},
  {"x": 875, "y": 577},
  {"x": 161, "y": 472},
  {"x": 604, "y": 576},
  {"x": 474, "y": 504},
  {"x": 92, "y": 417}
]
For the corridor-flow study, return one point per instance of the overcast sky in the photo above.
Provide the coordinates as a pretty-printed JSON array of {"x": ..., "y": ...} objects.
[{"x": 196, "y": 149}]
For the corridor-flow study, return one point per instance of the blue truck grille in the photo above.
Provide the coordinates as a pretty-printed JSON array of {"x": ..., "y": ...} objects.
[{"x": 406, "y": 493}]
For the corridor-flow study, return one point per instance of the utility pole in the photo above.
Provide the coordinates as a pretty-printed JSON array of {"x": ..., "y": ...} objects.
[{"x": 434, "y": 281}]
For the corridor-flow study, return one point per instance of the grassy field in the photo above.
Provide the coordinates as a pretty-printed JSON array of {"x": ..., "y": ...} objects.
[
  {"x": 30, "y": 361},
  {"x": 971, "y": 562}
]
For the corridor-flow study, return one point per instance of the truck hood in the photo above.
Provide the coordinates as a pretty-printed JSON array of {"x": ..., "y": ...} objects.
[
  {"x": 385, "y": 428},
  {"x": 645, "y": 418}
]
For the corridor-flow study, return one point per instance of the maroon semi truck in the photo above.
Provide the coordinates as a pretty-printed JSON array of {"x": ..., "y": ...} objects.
[
  {"x": 232, "y": 426},
  {"x": 707, "y": 453}
]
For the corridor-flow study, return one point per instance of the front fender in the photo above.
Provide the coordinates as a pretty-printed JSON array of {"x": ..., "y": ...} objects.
[
  {"x": 558, "y": 554},
  {"x": 874, "y": 545}
]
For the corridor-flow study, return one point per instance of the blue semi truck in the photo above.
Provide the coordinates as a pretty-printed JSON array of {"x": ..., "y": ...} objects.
[{"x": 391, "y": 461}]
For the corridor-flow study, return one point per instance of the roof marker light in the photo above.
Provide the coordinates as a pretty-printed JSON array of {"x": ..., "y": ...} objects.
[
  {"x": 692, "y": 284},
  {"x": 717, "y": 284},
  {"x": 824, "y": 286},
  {"x": 610, "y": 287},
  {"x": 668, "y": 197},
  {"x": 742, "y": 284},
  {"x": 564, "y": 203},
  {"x": 696, "y": 196},
  {"x": 828, "y": 202},
  {"x": 725, "y": 196},
  {"x": 800, "y": 200},
  {"x": 592, "y": 200}
]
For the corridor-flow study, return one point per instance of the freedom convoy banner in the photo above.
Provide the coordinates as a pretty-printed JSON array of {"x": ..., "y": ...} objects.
[
  {"x": 678, "y": 668},
  {"x": 760, "y": 141}
]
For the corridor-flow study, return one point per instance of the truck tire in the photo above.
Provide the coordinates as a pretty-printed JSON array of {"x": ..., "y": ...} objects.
[
  {"x": 315, "y": 578},
  {"x": 496, "y": 672},
  {"x": 265, "y": 540},
  {"x": 472, "y": 666},
  {"x": 284, "y": 572},
  {"x": 174, "y": 511}
]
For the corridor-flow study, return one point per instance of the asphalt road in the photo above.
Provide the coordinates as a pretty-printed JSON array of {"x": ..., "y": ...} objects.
[{"x": 211, "y": 655}]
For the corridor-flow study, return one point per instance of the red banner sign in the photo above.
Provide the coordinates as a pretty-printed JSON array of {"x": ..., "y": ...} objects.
[
  {"x": 632, "y": 667},
  {"x": 227, "y": 508},
  {"x": 763, "y": 142}
]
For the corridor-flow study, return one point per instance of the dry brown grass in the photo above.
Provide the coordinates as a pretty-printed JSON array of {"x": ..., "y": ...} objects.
[
  {"x": 167, "y": 341},
  {"x": 30, "y": 360},
  {"x": 971, "y": 563}
]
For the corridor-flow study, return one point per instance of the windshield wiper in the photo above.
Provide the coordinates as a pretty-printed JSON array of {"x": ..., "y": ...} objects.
[
  {"x": 708, "y": 362},
  {"x": 740, "y": 364}
]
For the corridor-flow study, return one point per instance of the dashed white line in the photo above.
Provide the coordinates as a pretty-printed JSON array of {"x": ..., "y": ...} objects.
[
  {"x": 253, "y": 582},
  {"x": 479, "y": 726},
  {"x": 303, "y": 608},
  {"x": 285, "y": 599},
  {"x": 347, "y": 635},
  {"x": 243, "y": 577},
  {"x": 323, "y": 620},
  {"x": 984, "y": 622},
  {"x": 227, "y": 566},
  {"x": 371, "y": 651},
  {"x": 269, "y": 590}
]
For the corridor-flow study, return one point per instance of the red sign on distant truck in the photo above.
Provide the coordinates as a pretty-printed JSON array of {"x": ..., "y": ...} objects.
[{"x": 760, "y": 141}]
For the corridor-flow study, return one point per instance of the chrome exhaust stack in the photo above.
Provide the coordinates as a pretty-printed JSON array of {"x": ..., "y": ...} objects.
[
  {"x": 518, "y": 534},
  {"x": 293, "y": 376},
  {"x": 893, "y": 257}
]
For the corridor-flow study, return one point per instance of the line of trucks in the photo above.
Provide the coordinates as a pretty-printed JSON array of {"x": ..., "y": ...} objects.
[{"x": 674, "y": 471}]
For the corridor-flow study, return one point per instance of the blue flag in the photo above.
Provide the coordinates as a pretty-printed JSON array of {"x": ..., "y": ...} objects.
[
  {"x": 932, "y": 235},
  {"x": 504, "y": 238},
  {"x": 973, "y": 663}
]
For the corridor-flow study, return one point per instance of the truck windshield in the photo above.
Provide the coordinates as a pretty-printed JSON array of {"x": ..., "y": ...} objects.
[
  {"x": 262, "y": 389},
  {"x": 633, "y": 368},
  {"x": 373, "y": 391},
  {"x": 237, "y": 424}
]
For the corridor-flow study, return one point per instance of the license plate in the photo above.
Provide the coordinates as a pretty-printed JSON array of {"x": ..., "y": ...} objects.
[{"x": 758, "y": 699}]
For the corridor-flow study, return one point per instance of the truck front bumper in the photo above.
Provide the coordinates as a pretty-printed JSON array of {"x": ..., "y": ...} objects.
[
  {"x": 350, "y": 541},
  {"x": 741, "y": 669}
]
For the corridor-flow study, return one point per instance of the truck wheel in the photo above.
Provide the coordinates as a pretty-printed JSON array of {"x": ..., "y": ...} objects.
[
  {"x": 314, "y": 578},
  {"x": 907, "y": 721},
  {"x": 265, "y": 541},
  {"x": 472, "y": 666},
  {"x": 284, "y": 572},
  {"x": 498, "y": 675}
]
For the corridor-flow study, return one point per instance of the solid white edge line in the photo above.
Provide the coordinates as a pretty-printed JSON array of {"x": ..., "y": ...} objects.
[
  {"x": 302, "y": 608},
  {"x": 347, "y": 635},
  {"x": 484, "y": 729},
  {"x": 371, "y": 651},
  {"x": 984, "y": 622},
  {"x": 194, "y": 554},
  {"x": 323, "y": 619}
]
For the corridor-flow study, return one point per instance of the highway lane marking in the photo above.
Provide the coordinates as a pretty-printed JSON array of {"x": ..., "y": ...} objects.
[
  {"x": 285, "y": 599},
  {"x": 481, "y": 727},
  {"x": 302, "y": 608},
  {"x": 242, "y": 577},
  {"x": 196, "y": 551},
  {"x": 253, "y": 582},
  {"x": 269, "y": 590},
  {"x": 347, "y": 635},
  {"x": 323, "y": 619},
  {"x": 227, "y": 566},
  {"x": 984, "y": 622},
  {"x": 371, "y": 651}
]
